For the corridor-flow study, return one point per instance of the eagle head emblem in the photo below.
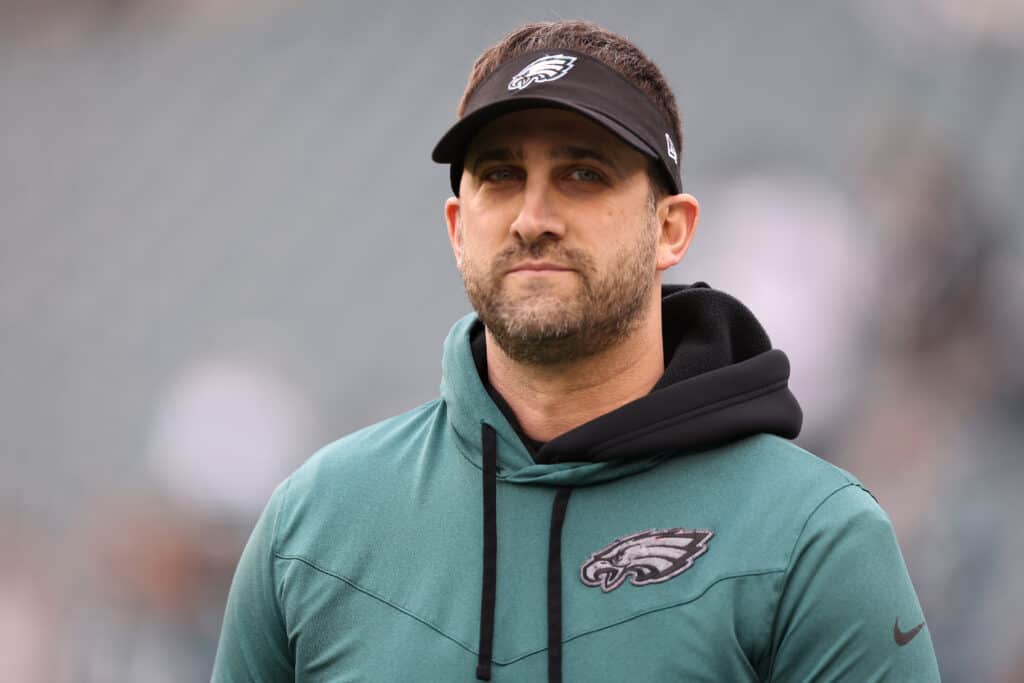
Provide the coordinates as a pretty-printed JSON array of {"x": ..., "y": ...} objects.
[
  {"x": 647, "y": 557},
  {"x": 547, "y": 68}
]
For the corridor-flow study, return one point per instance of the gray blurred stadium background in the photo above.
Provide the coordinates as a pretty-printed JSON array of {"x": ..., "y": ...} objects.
[{"x": 221, "y": 246}]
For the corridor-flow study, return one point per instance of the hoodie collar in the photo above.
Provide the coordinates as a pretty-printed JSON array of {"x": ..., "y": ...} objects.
[{"x": 722, "y": 382}]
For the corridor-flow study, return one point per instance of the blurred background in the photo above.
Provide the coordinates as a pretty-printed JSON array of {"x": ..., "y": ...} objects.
[{"x": 222, "y": 246}]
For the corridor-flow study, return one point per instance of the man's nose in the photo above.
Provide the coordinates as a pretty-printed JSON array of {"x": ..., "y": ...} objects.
[{"x": 538, "y": 216}]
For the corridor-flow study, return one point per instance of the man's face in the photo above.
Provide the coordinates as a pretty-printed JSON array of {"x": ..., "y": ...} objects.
[{"x": 556, "y": 235}]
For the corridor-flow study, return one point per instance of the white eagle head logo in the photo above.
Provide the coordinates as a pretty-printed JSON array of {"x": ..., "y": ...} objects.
[
  {"x": 543, "y": 70},
  {"x": 648, "y": 557}
]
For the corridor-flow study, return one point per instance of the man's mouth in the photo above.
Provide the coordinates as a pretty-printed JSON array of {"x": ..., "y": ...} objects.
[{"x": 527, "y": 267}]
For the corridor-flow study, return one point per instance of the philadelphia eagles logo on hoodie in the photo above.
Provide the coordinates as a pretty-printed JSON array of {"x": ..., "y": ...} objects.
[
  {"x": 547, "y": 68},
  {"x": 651, "y": 556}
]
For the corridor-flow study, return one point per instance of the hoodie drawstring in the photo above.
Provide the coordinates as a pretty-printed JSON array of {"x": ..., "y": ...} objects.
[
  {"x": 555, "y": 585},
  {"x": 488, "y": 591}
]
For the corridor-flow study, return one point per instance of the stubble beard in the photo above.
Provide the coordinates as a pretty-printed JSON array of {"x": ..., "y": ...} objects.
[{"x": 537, "y": 325}]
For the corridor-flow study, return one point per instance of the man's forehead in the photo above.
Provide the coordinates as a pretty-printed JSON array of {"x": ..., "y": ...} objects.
[{"x": 554, "y": 126}]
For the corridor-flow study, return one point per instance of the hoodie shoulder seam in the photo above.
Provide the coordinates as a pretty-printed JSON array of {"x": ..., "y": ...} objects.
[
  {"x": 274, "y": 543},
  {"x": 515, "y": 658},
  {"x": 365, "y": 591},
  {"x": 792, "y": 557},
  {"x": 661, "y": 608}
]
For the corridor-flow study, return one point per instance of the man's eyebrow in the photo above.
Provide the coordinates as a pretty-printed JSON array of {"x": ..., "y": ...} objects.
[
  {"x": 576, "y": 153},
  {"x": 571, "y": 152},
  {"x": 494, "y": 154}
]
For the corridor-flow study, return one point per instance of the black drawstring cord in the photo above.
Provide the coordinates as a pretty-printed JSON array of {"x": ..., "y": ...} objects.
[
  {"x": 488, "y": 592},
  {"x": 555, "y": 585}
]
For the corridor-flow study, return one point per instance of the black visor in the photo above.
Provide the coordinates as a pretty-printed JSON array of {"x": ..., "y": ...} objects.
[{"x": 564, "y": 79}]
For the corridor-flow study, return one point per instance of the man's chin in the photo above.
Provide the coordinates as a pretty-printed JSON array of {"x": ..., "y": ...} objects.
[
  {"x": 522, "y": 286},
  {"x": 540, "y": 311},
  {"x": 537, "y": 342}
]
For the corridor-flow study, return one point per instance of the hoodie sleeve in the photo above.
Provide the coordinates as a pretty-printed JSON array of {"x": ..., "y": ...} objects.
[
  {"x": 253, "y": 640},
  {"x": 848, "y": 611}
]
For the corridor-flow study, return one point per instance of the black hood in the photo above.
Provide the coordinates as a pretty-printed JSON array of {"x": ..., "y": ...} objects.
[{"x": 723, "y": 381}]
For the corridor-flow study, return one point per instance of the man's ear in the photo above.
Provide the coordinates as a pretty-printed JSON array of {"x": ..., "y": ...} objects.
[
  {"x": 452, "y": 217},
  {"x": 677, "y": 216}
]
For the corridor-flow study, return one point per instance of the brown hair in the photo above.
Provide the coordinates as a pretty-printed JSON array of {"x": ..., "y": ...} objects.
[{"x": 594, "y": 41}]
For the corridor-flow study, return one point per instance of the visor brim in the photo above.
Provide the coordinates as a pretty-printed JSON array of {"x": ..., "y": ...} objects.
[{"x": 451, "y": 148}]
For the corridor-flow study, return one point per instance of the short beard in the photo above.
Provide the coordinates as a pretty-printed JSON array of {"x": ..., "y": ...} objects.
[{"x": 607, "y": 309}]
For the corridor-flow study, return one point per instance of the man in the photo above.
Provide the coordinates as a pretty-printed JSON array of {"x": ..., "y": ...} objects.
[{"x": 604, "y": 490}]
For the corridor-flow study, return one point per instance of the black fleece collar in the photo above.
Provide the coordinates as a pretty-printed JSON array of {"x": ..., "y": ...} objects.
[{"x": 723, "y": 381}]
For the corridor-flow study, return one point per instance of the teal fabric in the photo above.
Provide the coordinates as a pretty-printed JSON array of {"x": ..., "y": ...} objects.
[
  {"x": 366, "y": 563},
  {"x": 470, "y": 405}
]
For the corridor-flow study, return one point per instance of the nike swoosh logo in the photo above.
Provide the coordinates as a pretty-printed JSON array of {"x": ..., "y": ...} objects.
[{"x": 904, "y": 637}]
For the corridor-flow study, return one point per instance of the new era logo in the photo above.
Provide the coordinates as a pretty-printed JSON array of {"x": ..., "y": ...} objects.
[
  {"x": 671, "y": 149},
  {"x": 544, "y": 70}
]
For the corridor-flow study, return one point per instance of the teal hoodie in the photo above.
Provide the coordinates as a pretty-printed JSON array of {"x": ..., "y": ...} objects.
[{"x": 681, "y": 537}]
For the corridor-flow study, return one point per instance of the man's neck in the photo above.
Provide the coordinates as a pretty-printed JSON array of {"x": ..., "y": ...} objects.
[{"x": 550, "y": 400}]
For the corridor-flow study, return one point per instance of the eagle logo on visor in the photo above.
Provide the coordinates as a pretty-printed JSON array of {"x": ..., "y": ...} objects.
[
  {"x": 544, "y": 70},
  {"x": 646, "y": 557}
]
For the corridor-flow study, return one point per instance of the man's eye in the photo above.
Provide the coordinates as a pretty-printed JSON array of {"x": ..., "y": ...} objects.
[
  {"x": 500, "y": 175},
  {"x": 587, "y": 175}
]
